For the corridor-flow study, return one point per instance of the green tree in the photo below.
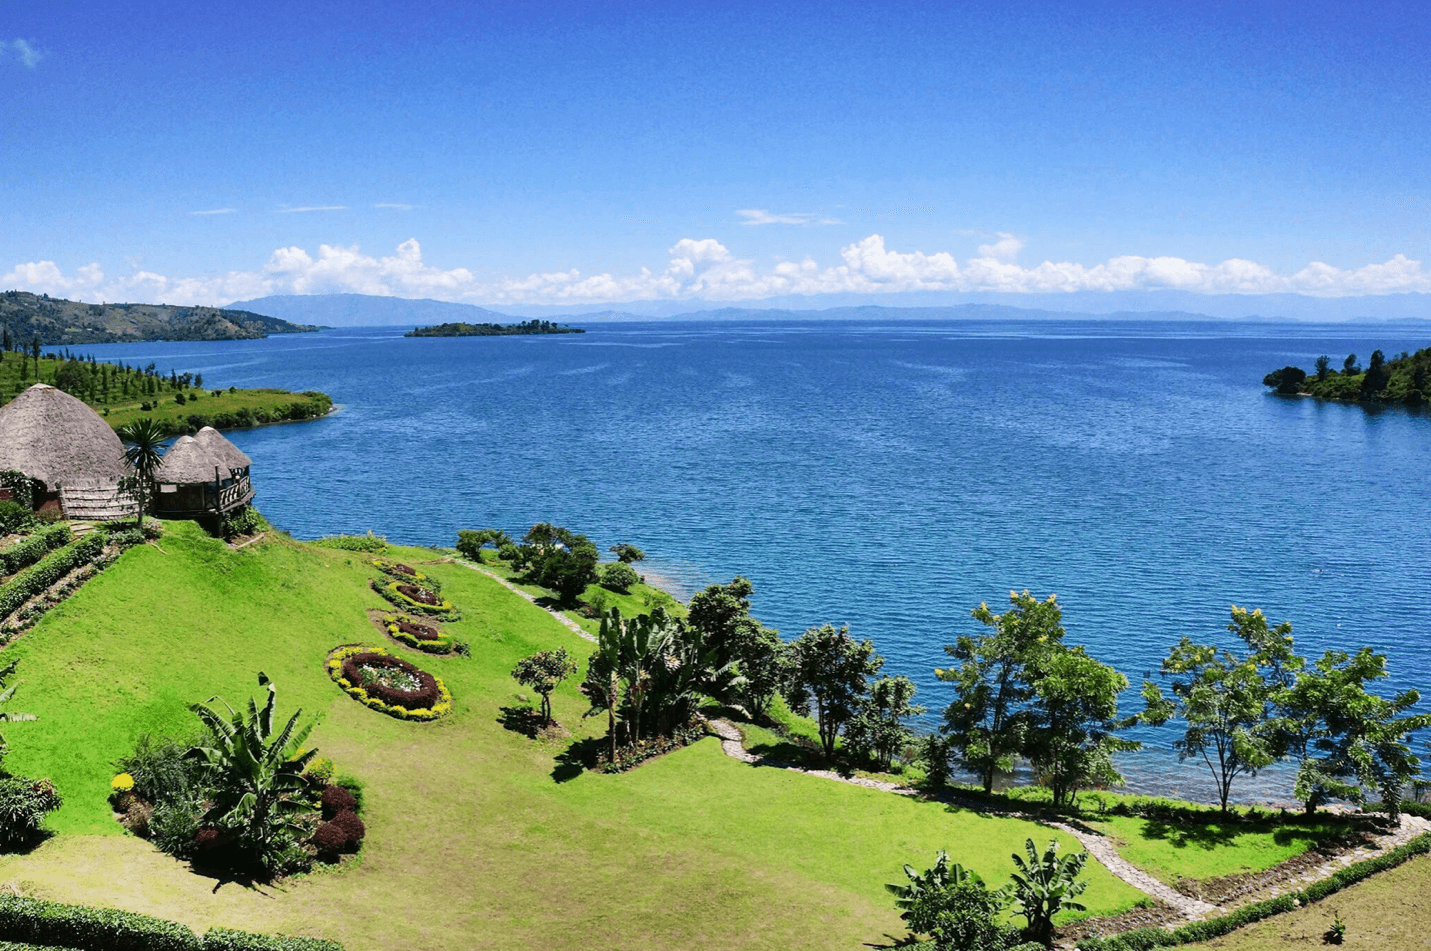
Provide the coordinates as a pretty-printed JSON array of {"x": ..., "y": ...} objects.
[
  {"x": 830, "y": 671},
  {"x": 1044, "y": 885},
  {"x": 878, "y": 730},
  {"x": 561, "y": 560},
  {"x": 721, "y": 613},
  {"x": 259, "y": 791},
  {"x": 1324, "y": 364},
  {"x": 1072, "y": 733},
  {"x": 470, "y": 543},
  {"x": 988, "y": 720},
  {"x": 1226, "y": 698},
  {"x": 618, "y": 576},
  {"x": 544, "y": 671},
  {"x": 627, "y": 553},
  {"x": 144, "y": 449},
  {"x": 1377, "y": 375},
  {"x": 1349, "y": 367},
  {"x": 1347, "y": 740}
]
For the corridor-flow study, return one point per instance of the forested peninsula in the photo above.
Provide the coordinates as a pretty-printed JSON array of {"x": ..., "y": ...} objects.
[
  {"x": 25, "y": 317},
  {"x": 526, "y": 327},
  {"x": 1401, "y": 379}
]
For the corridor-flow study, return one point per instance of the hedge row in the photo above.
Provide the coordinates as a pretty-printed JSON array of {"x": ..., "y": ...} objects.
[
  {"x": 27, "y": 551},
  {"x": 49, "y": 924},
  {"x": 1142, "y": 939},
  {"x": 55, "y": 566}
]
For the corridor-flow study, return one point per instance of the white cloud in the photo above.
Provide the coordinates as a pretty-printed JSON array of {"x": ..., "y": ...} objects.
[
  {"x": 761, "y": 216},
  {"x": 214, "y": 211},
  {"x": 705, "y": 269},
  {"x": 22, "y": 50},
  {"x": 302, "y": 208},
  {"x": 393, "y": 205}
]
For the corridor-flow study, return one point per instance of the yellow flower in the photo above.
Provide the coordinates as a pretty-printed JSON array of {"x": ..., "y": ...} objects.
[{"x": 122, "y": 783}]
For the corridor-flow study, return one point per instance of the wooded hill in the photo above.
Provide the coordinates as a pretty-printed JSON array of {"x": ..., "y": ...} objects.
[{"x": 56, "y": 322}]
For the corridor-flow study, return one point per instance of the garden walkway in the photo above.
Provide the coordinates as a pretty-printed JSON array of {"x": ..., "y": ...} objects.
[{"x": 1099, "y": 846}]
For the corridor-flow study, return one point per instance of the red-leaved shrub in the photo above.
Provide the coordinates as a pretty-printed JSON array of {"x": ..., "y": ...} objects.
[
  {"x": 206, "y": 839},
  {"x": 336, "y": 799},
  {"x": 330, "y": 838},
  {"x": 352, "y": 826}
]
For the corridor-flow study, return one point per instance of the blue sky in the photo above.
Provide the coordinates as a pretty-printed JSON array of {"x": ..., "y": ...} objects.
[{"x": 589, "y": 153}]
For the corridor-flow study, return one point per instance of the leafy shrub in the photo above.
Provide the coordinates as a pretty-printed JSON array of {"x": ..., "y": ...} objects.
[
  {"x": 152, "y": 528},
  {"x": 174, "y": 827},
  {"x": 336, "y": 799},
  {"x": 90, "y": 929},
  {"x": 13, "y": 517},
  {"x": 46, "y": 572},
  {"x": 320, "y": 771},
  {"x": 225, "y": 939},
  {"x": 963, "y": 917},
  {"x": 354, "y": 786},
  {"x": 330, "y": 838},
  {"x": 368, "y": 542},
  {"x": 619, "y": 576},
  {"x": 27, "y": 551},
  {"x": 23, "y": 806},
  {"x": 246, "y": 521},
  {"x": 21, "y": 486},
  {"x": 127, "y": 538},
  {"x": 159, "y": 768},
  {"x": 352, "y": 828}
]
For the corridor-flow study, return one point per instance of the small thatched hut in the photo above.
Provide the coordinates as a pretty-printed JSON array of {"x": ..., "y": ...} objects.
[
  {"x": 196, "y": 482},
  {"x": 68, "y": 449},
  {"x": 220, "y": 448}
]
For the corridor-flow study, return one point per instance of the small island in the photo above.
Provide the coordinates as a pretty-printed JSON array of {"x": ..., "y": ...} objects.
[
  {"x": 1402, "y": 379},
  {"x": 526, "y": 327}
]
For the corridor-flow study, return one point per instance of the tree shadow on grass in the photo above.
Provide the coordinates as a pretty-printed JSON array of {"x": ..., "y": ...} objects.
[
  {"x": 29, "y": 844},
  {"x": 577, "y": 759},
  {"x": 523, "y": 720},
  {"x": 1180, "y": 835}
]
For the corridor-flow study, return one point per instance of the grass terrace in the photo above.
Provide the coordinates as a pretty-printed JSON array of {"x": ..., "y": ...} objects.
[{"x": 477, "y": 836}]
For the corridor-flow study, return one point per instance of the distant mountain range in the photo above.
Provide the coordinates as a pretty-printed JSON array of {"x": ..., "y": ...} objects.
[
  {"x": 57, "y": 322},
  {"x": 360, "y": 310}
]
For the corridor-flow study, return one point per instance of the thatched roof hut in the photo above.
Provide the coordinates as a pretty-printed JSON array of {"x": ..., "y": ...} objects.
[
  {"x": 55, "y": 438},
  {"x": 219, "y": 447},
  {"x": 188, "y": 463}
]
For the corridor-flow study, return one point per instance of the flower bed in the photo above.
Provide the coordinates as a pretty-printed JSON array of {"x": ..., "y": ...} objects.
[
  {"x": 413, "y": 598},
  {"x": 413, "y": 633},
  {"x": 389, "y": 684},
  {"x": 406, "y": 574}
]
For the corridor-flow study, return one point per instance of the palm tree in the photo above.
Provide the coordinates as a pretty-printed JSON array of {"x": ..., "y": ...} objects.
[
  {"x": 258, "y": 780},
  {"x": 143, "y": 450},
  {"x": 9, "y": 716}
]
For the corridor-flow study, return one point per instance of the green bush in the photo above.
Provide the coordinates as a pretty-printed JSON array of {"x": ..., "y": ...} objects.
[
  {"x": 618, "y": 576},
  {"x": 90, "y": 929},
  {"x": 21, "y": 486},
  {"x": 23, "y": 806},
  {"x": 13, "y": 517},
  {"x": 368, "y": 542},
  {"x": 52, "y": 568},
  {"x": 225, "y": 939},
  {"x": 27, "y": 551}
]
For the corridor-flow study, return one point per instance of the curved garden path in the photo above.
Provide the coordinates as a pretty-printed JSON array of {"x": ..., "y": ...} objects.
[
  {"x": 732, "y": 742},
  {"x": 571, "y": 625}
]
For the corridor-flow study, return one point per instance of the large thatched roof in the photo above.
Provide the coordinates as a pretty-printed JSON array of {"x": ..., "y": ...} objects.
[
  {"x": 188, "y": 462},
  {"x": 214, "y": 441},
  {"x": 51, "y": 436}
]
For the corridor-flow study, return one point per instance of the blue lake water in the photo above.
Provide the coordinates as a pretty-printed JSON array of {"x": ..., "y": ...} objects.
[{"x": 891, "y": 476}]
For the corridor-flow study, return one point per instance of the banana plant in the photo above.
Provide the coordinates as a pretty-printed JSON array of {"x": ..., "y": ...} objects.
[
  {"x": 9, "y": 716},
  {"x": 258, "y": 785},
  {"x": 1045, "y": 885},
  {"x": 940, "y": 876}
]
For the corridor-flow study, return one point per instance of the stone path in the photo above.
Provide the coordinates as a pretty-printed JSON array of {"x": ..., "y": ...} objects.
[
  {"x": 733, "y": 744},
  {"x": 574, "y": 627}
]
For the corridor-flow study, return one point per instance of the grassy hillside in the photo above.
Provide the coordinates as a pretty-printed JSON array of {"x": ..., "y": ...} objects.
[
  {"x": 121, "y": 394},
  {"x": 477, "y": 836},
  {"x": 58, "y": 322}
]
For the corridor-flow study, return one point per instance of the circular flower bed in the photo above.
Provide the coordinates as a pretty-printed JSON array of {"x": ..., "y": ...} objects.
[
  {"x": 389, "y": 684},
  {"x": 414, "y": 598},
  {"x": 406, "y": 574},
  {"x": 413, "y": 633}
]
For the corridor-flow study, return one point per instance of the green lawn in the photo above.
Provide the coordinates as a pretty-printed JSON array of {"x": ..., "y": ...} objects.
[
  {"x": 1388, "y": 912},
  {"x": 1172, "y": 850},
  {"x": 478, "y": 837}
]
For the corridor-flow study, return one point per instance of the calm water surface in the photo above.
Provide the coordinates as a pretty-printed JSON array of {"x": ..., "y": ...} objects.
[{"x": 890, "y": 476}]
